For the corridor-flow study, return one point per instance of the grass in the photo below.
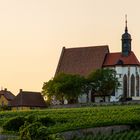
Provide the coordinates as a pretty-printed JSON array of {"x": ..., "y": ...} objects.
[{"x": 77, "y": 118}]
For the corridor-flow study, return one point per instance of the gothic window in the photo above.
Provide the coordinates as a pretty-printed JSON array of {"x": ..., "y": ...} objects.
[
  {"x": 132, "y": 85},
  {"x": 125, "y": 86},
  {"x": 120, "y": 75},
  {"x": 113, "y": 92},
  {"x": 137, "y": 85}
]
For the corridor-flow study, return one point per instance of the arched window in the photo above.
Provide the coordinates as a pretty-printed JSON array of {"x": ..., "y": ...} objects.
[
  {"x": 125, "y": 86},
  {"x": 132, "y": 85},
  {"x": 137, "y": 85}
]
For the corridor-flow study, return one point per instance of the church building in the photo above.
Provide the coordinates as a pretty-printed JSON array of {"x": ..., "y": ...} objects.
[{"x": 83, "y": 60}]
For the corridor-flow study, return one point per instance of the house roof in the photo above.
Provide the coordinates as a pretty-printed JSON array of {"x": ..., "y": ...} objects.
[
  {"x": 81, "y": 60},
  {"x": 117, "y": 58},
  {"x": 28, "y": 99},
  {"x": 7, "y": 94}
]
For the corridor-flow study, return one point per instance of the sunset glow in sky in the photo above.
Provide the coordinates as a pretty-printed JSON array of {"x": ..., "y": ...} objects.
[{"x": 33, "y": 32}]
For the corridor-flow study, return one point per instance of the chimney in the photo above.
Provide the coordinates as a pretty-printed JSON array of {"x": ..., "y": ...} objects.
[
  {"x": 20, "y": 90},
  {"x": 5, "y": 89}
]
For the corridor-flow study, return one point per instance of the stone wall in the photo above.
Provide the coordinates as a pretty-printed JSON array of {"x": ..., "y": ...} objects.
[
  {"x": 95, "y": 104},
  {"x": 102, "y": 130}
]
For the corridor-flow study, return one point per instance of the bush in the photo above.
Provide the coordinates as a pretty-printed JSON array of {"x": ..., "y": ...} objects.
[
  {"x": 46, "y": 121},
  {"x": 31, "y": 118},
  {"x": 56, "y": 137},
  {"x": 5, "y": 107},
  {"x": 42, "y": 133},
  {"x": 33, "y": 132},
  {"x": 14, "y": 124},
  {"x": 37, "y": 131}
]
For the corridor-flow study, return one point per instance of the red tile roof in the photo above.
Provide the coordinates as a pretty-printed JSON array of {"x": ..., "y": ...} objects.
[
  {"x": 81, "y": 60},
  {"x": 28, "y": 99},
  {"x": 117, "y": 58}
]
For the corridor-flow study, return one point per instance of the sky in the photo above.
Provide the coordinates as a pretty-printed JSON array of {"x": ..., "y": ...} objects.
[{"x": 33, "y": 32}]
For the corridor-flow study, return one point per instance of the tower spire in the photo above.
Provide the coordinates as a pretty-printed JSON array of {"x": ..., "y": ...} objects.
[
  {"x": 126, "y": 40},
  {"x": 126, "y": 29}
]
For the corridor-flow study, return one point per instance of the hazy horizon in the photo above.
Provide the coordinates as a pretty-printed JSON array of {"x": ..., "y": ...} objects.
[{"x": 33, "y": 32}]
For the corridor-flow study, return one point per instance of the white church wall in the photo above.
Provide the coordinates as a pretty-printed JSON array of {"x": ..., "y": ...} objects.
[
  {"x": 82, "y": 98},
  {"x": 136, "y": 98},
  {"x": 121, "y": 71},
  {"x": 100, "y": 99},
  {"x": 118, "y": 92}
]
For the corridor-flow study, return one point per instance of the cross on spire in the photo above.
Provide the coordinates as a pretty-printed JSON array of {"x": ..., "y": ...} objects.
[{"x": 126, "y": 30}]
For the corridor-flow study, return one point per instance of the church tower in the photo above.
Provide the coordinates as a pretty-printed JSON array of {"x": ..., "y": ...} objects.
[{"x": 126, "y": 41}]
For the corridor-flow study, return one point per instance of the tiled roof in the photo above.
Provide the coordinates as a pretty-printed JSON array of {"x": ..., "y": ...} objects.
[
  {"x": 81, "y": 60},
  {"x": 28, "y": 99},
  {"x": 117, "y": 58},
  {"x": 7, "y": 94}
]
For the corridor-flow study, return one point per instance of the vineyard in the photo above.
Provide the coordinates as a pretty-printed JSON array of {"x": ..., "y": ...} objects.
[{"x": 76, "y": 118}]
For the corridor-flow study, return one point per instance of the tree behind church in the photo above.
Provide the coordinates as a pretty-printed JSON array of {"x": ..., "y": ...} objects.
[
  {"x": 103, "y": 82},
  {"x": 64, "y": 86}
]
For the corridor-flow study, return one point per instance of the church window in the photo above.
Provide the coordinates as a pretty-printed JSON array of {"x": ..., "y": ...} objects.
[
  {"x": 113, "y": 92},
  {"x": 120, "y": 62},
  {"x": 132, "y": 85},
  {"x": 125, "y": 86},
  {"x": 120, "y": 75},
  {"x": 137, "y": 85}
]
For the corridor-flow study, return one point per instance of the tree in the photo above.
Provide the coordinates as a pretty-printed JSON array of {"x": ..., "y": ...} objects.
[
  {"x": 66, "y": 86},
  {"x": 103, "y": 81}
]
